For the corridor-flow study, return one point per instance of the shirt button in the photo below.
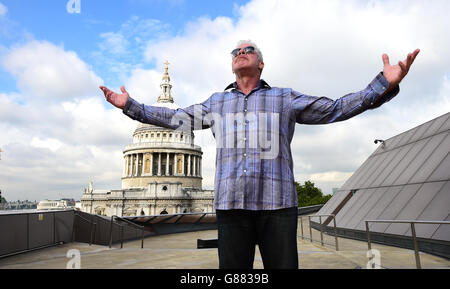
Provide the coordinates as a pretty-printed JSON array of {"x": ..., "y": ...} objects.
[
  {"x": 245, "y": 110},
  {"x": 245, "y": 155}
]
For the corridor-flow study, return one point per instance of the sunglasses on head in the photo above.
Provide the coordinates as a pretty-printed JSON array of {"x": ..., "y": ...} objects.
[{"x": 247, "y": 50}]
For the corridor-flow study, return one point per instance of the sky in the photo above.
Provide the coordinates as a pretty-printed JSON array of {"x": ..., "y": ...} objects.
[{"x": 57, "y": 132}]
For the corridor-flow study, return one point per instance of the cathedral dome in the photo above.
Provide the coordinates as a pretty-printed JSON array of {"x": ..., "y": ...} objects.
[
  {"x": 161, "y": 172},
  {"x": 160, "y": 154}
]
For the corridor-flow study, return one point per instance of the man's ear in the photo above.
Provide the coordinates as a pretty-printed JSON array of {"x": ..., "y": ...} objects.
[{"x": 261, "y": 65}]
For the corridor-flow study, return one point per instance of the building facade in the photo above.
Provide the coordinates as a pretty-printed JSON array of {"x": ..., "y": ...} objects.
[
  {"x": 161, "y": 173},
  {"x": 56, "y": 204}
]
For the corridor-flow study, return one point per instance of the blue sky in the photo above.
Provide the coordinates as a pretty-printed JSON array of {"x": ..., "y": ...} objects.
[
  {"x": 58, "y": 132},
  {"x": 82, "y": 32}
]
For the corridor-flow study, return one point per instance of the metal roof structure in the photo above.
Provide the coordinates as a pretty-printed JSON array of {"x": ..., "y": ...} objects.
[{"x": 406, "y": 178}]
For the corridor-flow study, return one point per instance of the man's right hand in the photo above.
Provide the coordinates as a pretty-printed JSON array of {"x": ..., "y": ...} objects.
[{"x": 118, "y": 100}]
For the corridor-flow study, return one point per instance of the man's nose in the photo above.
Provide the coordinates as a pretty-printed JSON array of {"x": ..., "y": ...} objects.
[{"x": 242, "y": 51}]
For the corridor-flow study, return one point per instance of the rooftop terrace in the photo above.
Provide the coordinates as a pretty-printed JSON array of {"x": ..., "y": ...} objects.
[{"x": 179, "y": 251}]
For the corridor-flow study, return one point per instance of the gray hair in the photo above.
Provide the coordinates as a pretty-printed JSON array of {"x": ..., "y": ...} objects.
[{"x": 258, "y": 52}]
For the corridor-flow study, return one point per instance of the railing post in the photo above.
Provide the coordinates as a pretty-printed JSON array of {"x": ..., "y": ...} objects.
[
  {"x": 368, "y": 236},
  {"x": 310, "y": 229},
  {"x": 121, "y": 237},
  {"x": 142, "y": 245},
  {"x": 335, "y": 234},
  {"x": 95, "y": 230},
  {"x": 416, "y": 247},
  {"x": 90, "y": 240},
  {"x": 73, "y": 228},
  {"x": 54, "y": 228},
  {"x": 321, "y": 231},
  {"x": 110, "y": 232},
  {"x": 301, "y": 225}
]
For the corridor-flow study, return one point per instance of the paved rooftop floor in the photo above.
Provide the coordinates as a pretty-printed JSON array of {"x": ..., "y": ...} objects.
[{"x": 179, "y": 251}]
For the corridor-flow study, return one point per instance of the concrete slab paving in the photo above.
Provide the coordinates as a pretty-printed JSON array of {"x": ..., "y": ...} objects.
[{"x": 179, "y": 251}]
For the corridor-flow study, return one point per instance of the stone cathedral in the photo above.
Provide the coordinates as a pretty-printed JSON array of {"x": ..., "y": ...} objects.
[{"x": 161, "y": 173}]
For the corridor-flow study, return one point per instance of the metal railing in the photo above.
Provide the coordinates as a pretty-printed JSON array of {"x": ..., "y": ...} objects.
[
  {"x": 321, "y": 229},
  {"x": 121, "y": 231},
  {"x": 413, "y": 233},
  {"x": 93, "y": 228}
]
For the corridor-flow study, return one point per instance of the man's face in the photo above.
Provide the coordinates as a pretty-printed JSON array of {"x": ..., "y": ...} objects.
[{"x": 246, "y": 61}]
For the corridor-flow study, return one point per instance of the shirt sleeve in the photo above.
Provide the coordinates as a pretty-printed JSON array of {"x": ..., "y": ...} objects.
[
  {"x": 321, "y": 110},
  {"x": 186, "y": 119}
]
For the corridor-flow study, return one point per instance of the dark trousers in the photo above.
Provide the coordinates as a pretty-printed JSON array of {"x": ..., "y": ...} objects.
[{"x": 275, "y": 233}]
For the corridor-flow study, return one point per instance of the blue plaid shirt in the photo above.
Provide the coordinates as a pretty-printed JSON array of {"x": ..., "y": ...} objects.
[{"x": 254, "y": 169}]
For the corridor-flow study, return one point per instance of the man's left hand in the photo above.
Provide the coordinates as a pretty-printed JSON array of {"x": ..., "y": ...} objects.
[{"x": 395, "y": 73}]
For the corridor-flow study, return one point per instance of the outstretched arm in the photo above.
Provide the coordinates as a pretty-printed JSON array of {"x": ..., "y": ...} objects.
[
  {"x": 321, "y": 110},
  {"x": 187, "y": 119}
]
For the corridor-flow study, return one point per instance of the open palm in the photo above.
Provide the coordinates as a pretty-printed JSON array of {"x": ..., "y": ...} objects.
[
  {"x": 395, "y": 73},
  {"x": 118, "y": 100}
]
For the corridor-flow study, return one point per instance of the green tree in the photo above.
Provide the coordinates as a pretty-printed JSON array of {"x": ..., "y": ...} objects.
[{"x": 309, "y": 195}]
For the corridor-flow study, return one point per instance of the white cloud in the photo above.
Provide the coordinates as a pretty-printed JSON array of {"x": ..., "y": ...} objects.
[
  {"x": 114, "y": 42},
  {"x": 3, "y": 10},
  {"x": 145, "y": 85},
  {"x": 51, "y": 143},
  {"x": 330, "y": 177},
  {"x": 316, "y": 47},
  {"x": 55, "y": 139},
  {"x": 44, "y": 70},
  {"x": 56, "y": 149}
]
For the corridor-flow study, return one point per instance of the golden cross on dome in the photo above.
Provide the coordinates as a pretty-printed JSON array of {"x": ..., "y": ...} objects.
[{"x": 166, "y": 73}]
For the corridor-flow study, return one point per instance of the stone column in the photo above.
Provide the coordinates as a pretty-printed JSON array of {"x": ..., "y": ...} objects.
[
  {"x": 189, "y": 165},
  {"x": 151, "y": 165},
  {"x": 137, "y": 165},
  {"x": 200, "y": 166},
  {"x": 182, "y": 166},
  {"x": 194, "y": 165},
  {"x": 133, "y": 165},
  {"x": 159, "y": 164},
  {"x": 129, "y": 166},
  {"x": 167, "y": 163},
  {"x": 142, "y": 164},
  {"x": 175, "y": 164}
]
